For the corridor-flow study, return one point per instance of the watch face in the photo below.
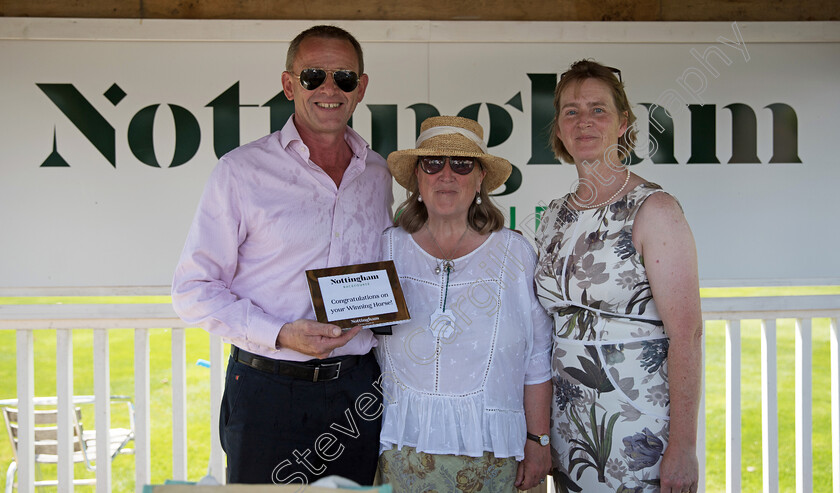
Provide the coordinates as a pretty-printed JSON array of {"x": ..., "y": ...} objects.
[{"x": 543, "y": 440}]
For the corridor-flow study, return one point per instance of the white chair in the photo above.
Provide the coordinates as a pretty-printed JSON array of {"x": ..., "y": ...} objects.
[{"x": 46, "y": 438}]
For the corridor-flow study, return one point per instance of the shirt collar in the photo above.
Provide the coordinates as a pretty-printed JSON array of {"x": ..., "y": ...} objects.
[{"x": 289, "y": 135}]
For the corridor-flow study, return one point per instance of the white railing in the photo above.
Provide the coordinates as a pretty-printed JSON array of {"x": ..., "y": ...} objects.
[
  {"x": 803, "y": 309},
  {"x": 25, "y": 319}
]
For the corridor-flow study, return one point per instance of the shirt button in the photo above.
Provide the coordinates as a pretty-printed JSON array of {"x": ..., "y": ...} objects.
[{"x": 337, "y": 235}]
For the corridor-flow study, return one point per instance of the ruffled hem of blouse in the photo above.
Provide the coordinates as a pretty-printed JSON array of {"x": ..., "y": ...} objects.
[{"x": 458, "y": 425}]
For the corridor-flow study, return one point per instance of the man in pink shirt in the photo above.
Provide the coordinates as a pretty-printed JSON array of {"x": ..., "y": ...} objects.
[{"x": 311, "y": 195}]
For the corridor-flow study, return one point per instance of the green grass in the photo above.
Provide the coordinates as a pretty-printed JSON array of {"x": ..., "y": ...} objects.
[
  {"x": 768, "y": 291},
  {"x": 198, "y": 408}
]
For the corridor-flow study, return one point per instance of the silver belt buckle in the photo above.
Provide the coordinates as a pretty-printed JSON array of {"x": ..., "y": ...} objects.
[{"x": 318, "y": 370}]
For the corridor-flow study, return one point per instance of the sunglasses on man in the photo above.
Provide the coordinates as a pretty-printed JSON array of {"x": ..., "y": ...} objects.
[
  {"x": 312, "y": 78},
  {"x": 462, "y": 165}
]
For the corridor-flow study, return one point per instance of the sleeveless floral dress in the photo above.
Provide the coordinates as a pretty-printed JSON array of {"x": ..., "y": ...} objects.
[{"x": 609, "y": 363}]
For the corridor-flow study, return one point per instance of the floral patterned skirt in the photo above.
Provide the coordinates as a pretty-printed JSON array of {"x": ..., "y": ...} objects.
[
  {"x": 408, "y": 470},
  {"x": 610, "y": 411}
]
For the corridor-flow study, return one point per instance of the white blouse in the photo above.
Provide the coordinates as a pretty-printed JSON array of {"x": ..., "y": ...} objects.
[{"x": 455, "y": 385}]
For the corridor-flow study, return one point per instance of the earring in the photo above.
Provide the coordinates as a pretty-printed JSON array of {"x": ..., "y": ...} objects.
[
  {"x": 478, "y": 199},
  {"x": 419, "y": 198}
]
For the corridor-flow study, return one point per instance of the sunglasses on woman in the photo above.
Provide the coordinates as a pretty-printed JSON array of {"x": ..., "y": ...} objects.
[
  {"x": 312, "y": 78},
  {"x": 459, "y": 164}
]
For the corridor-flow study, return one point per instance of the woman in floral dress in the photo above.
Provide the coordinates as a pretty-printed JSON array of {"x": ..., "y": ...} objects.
[{"x": 617, "y": 269}]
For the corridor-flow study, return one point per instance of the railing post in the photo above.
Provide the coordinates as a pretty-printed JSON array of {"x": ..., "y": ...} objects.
[
  {"x": 102, "y": 408},
  {"x": 769, "y": 408},
  {"x": 802, "y": 414},
  {"x": 142, "y": 411},
  {"x": 217, "y": 365},
  {"x": 179, "y": 404},
  {"x": 65, "y": 408},
  {"x": 835, "y": 404},
  {"x": 26, "y": 410},
  {"x": 733, "y": 406}
]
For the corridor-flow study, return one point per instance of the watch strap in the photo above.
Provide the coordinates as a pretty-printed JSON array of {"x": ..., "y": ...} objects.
[{"x": 537, "y": 438}]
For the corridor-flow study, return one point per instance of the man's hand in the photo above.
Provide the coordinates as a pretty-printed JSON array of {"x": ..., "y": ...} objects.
[{"x": 314, "y": 338}]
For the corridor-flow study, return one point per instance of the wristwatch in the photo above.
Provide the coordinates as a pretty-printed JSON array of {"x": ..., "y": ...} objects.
[{"x": 541, "y": 439}]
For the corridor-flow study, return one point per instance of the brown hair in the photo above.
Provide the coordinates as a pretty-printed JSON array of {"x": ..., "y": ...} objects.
[
  {"x": 590, "y": 69},
  {"x": 412, "y": 214},
  {"x": 328, "y": 32}
]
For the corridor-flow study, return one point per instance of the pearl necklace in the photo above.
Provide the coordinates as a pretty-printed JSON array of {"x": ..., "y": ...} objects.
[
  {"x": 447, "y": 263},
  {"x": 582, "y": 206}
]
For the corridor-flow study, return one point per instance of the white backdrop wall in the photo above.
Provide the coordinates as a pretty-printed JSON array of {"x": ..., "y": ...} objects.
[{"x": 109, "y": 129}]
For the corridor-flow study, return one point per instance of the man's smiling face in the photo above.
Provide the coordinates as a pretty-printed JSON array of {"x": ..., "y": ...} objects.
[{"x": 326, "y": 109}]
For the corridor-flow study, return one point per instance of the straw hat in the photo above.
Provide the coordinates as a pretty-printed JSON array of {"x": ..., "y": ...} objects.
[{"x": 450, "y": 136}]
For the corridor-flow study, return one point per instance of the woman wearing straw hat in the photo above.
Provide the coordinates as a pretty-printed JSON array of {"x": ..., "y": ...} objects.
[
  {"x": 466, "y": 380},
  {"x": 618, "y": 270}
]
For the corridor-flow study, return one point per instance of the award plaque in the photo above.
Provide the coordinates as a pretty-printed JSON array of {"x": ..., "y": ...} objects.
[{"x": 369, "y": 295}]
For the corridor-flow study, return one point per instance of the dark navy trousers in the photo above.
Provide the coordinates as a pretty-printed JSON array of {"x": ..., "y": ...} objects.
[{"x": 283, "y": 430}]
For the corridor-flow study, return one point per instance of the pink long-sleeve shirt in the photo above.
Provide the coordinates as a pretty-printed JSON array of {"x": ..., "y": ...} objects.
[{"x": 266, "y": 216}]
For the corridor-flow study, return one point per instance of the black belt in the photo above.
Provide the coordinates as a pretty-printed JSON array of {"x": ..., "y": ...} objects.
[{"x": 313, "y": 371}]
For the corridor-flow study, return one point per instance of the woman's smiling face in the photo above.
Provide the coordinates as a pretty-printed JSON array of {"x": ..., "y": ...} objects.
[
  {"x": 448, "y": 194},
  {"x": 589, "y": 124}
]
